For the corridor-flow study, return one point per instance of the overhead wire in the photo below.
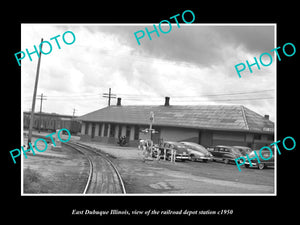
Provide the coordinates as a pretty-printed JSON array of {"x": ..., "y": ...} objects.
[{"x": 176, "y": 98}]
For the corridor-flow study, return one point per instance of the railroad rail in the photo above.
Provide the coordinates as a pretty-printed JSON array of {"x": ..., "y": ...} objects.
[{"x": 104, "y": 178}]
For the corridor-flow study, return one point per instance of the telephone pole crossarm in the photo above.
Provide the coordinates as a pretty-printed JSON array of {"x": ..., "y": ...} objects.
[{"x": 109, "y": 95}]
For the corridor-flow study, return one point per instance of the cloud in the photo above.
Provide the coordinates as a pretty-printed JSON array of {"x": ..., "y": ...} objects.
[
  {"x": 192, "y": 60},
  {"x": 197, "y": 44}
]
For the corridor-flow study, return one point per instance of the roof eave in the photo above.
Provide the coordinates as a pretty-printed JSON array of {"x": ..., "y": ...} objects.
[{"x": 182, "y": 126}]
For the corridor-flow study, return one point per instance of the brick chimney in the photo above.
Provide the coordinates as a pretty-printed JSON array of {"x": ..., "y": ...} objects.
[
  {"x": 167, "y": 101},
  {"x": 119, "y": 101},
  {"x": 266, "y": 117}
]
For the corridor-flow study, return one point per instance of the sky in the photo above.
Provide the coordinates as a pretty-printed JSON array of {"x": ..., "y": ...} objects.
[{"x": 193, "y": 64}]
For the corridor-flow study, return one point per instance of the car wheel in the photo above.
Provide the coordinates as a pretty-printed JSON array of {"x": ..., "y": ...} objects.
[
  {"x": 261, "y": 166},
  {"x": 226, "y": 161},
  {"x": 193, "y": 158},
  {"x": 204, "y": 160},
  {"x": 246, "y": 165}
]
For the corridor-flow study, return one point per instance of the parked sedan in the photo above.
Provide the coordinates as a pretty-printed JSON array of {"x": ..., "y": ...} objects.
[
  {"x": 197, "y": 152},
  {"x": 181, "y": 150},
  {"x": 263, "y": 163},
  {"x": 243, "y": 150},
  {"x": 225, "y": 154}
]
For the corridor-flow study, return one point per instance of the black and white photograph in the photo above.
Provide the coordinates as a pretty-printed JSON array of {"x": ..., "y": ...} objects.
[
  {"x": 150, "y": 112},
  {"x": 166, "y": 116}
]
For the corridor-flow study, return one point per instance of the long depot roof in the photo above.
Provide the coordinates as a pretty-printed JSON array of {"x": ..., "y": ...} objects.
[{"x": 212, "y": 117}]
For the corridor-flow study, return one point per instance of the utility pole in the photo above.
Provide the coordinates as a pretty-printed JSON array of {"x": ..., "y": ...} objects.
[
  {"x": 72, "y": 126},
  {"x": 34, "y": 95},
  {"x": 41, "y": 107},
  {"x": 109, "y": 95}
]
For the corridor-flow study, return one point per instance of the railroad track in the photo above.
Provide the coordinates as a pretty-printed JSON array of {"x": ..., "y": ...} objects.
[{"x": 104, "y": 178}]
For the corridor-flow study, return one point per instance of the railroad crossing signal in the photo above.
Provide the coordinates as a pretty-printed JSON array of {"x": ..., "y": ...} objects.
[
  {"x": 147, "y": 130},
  {"x": 151, "y": 117}
]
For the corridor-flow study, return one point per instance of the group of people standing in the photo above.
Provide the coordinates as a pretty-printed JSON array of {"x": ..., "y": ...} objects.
[
  {"x": 151, "y": 151},
  {"x": 147, "y": 148}
]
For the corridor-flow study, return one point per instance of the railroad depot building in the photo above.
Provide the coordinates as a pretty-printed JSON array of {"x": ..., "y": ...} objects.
[{"x": 207, "y": 125}]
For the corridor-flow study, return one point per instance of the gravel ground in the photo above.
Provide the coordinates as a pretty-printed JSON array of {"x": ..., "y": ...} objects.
[
  {"x": 62, "y": 171},
  {"x": 116, "y": 151},
  {"x": 164, "y": 177}
]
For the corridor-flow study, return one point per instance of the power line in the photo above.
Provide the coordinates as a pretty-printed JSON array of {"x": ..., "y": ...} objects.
[
  {"x": 151, "y": 96},
  {"x": 235, "y": 93},
  {"x": 210, "y": 100},
  {"x": 238, "y": 99},
  {"x": 200, "y": 95},
  {"x": 261, "y": 94},
  {"x": 185, "y": 99},
  {"x": 77, "y": 95}
]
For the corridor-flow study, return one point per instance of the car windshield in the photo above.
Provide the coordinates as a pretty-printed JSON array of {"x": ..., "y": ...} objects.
[
  {"x": 265, "y": 153},
  {"x": 243, "y": 150},
  {"x": 236, "y": 151},
  {"x": 180, "y": 147},
  {"x": 198, "y": 148}
]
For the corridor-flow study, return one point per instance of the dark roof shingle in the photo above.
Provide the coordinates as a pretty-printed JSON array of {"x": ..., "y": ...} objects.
[{"x": 219, "y": 117}]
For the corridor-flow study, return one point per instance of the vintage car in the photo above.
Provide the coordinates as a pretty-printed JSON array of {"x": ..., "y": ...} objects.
[
  {"x": 166, "y": 147},
  {"x": 263, "y": 163},
  {"x": 197, "y": 152},
  {"x": 243, "y": 150},
  {"x": 226, "y": 154}
]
